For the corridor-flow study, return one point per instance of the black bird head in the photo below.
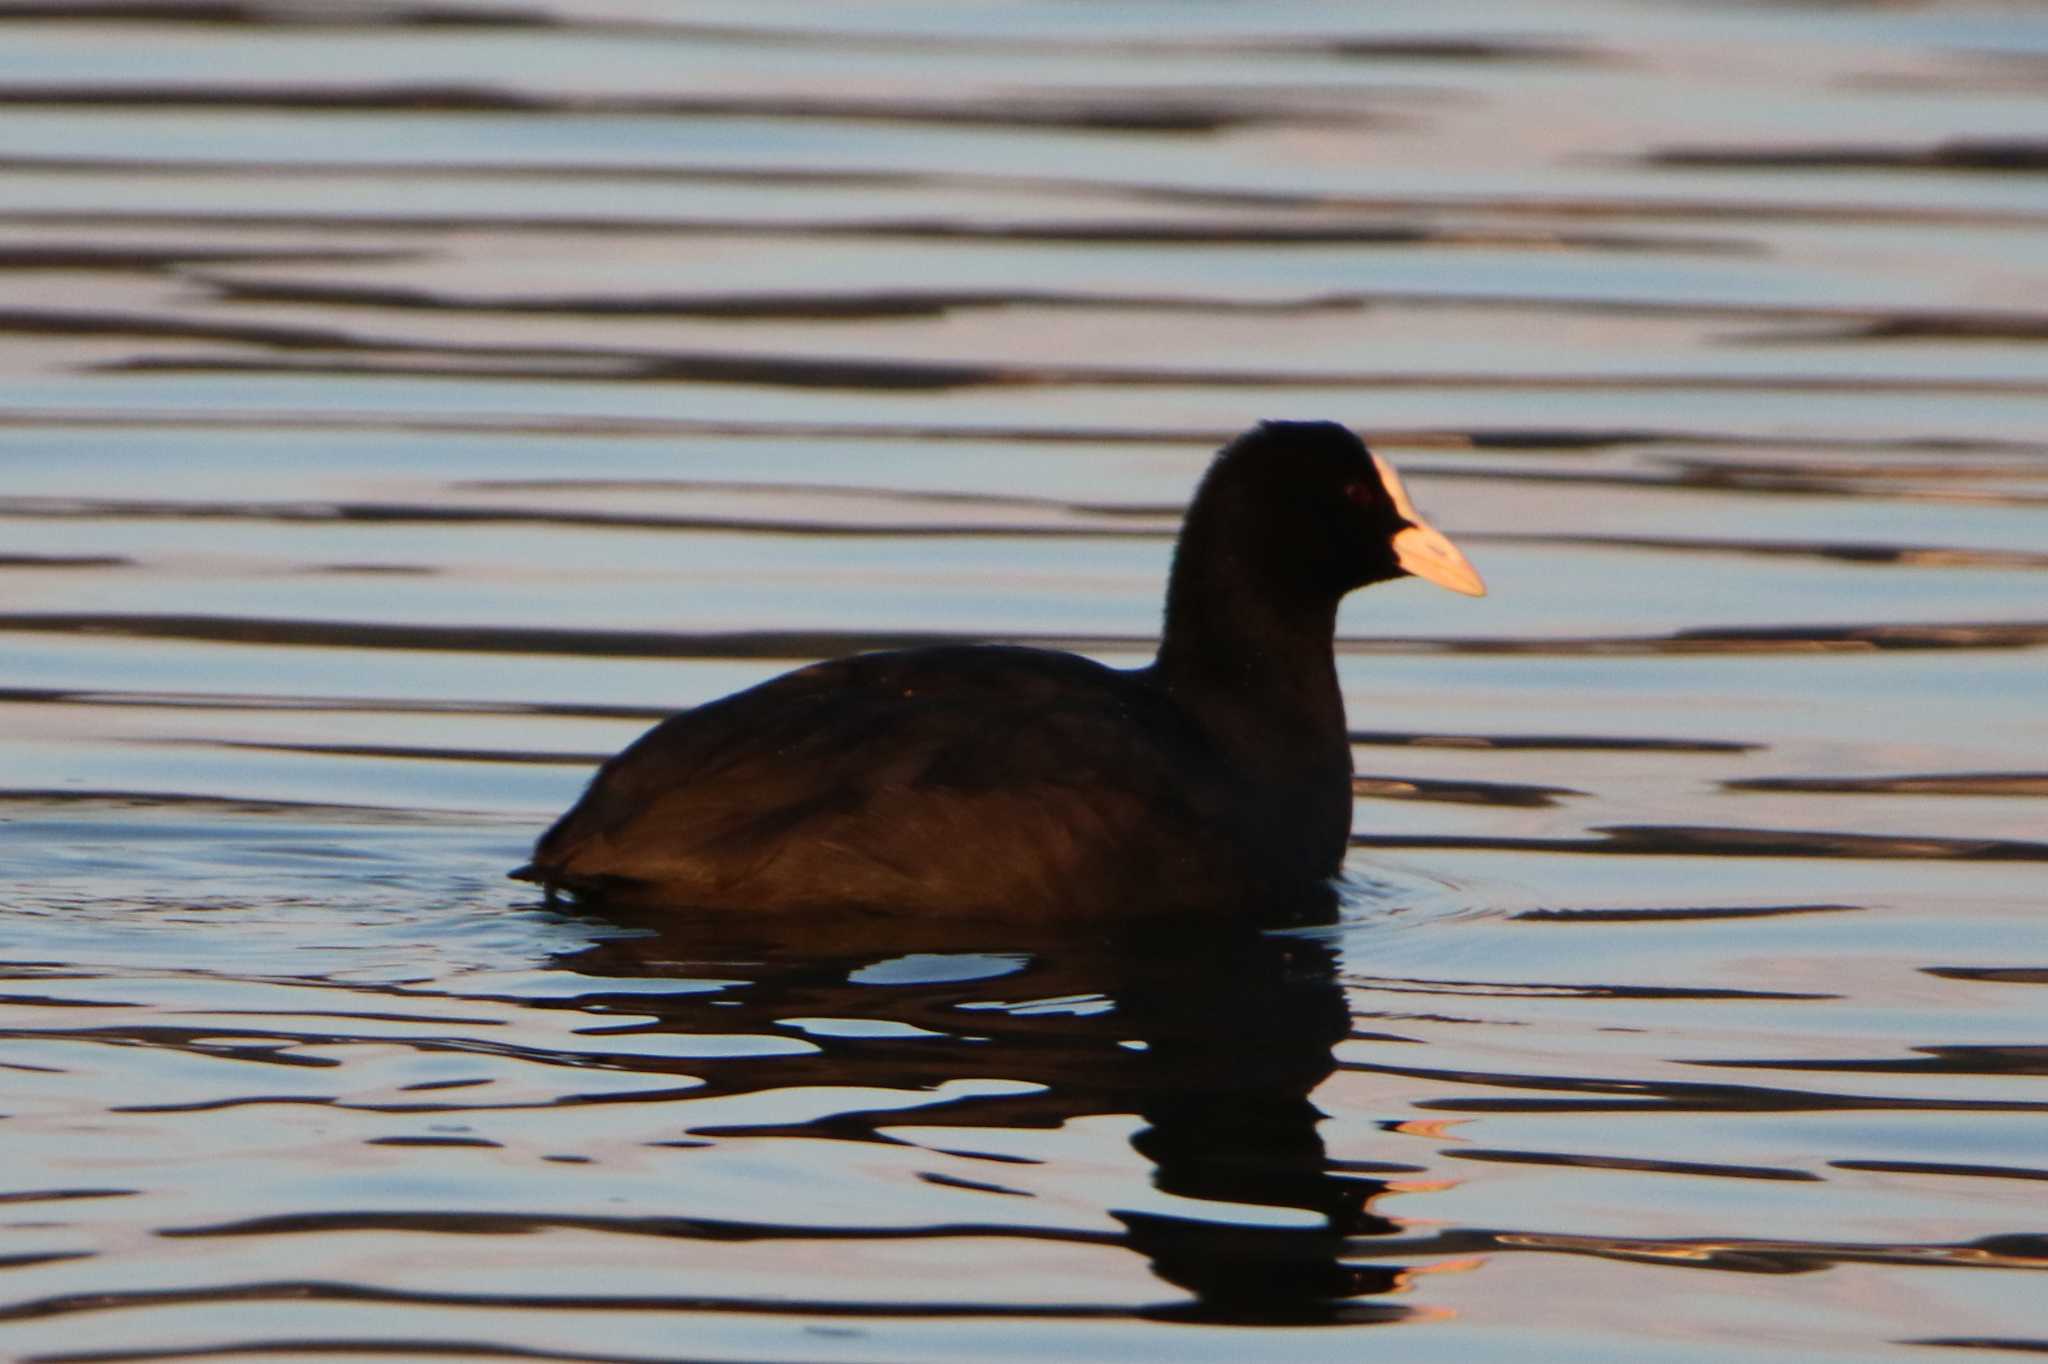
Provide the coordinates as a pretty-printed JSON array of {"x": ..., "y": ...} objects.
[{"x": 1309, "y": 503}]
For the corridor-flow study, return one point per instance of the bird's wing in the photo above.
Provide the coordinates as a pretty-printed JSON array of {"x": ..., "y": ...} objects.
[{"x": 886, "y": 779}]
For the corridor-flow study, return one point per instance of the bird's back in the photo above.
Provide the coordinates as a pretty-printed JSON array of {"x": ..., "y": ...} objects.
[{"x": 955, "y": 781}]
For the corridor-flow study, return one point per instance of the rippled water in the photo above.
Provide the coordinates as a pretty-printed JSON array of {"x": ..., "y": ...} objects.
[{"x": 403, "y": 404}]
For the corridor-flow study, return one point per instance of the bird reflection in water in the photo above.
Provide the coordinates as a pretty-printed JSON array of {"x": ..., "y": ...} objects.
[{"x": 1214, "y": 1035}]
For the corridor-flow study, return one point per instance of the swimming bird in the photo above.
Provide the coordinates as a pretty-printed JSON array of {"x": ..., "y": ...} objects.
[{"x": 1027, "y": 784}]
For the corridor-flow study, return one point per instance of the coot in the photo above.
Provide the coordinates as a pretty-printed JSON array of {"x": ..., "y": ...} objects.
[{"x": 1005, "y": 782}]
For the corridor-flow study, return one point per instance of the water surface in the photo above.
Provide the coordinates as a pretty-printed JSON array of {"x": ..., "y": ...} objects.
[{"x": 401, "y": 407}]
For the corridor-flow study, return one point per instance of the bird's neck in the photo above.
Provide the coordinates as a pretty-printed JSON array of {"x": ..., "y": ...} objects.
[
  {"x": 1260, "y": 683},
  {"x": 1256, "y": 668},
  {"x": 1247, "y": 655}
]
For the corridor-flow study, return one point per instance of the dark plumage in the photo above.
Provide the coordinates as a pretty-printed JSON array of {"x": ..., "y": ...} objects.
[{"x": 1024, "y": 783}]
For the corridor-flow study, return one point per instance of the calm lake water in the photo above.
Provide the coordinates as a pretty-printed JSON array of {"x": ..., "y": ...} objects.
[{"x": 403, "y": 404}]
